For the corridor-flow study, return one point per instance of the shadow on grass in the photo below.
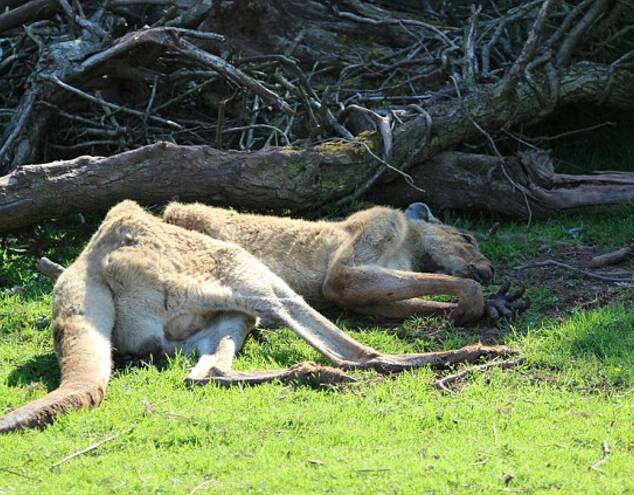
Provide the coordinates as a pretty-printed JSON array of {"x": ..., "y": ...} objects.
[
  {"x": 39, "y": 369},
  {"x": 592, "y": 347},
  {"x": 45, "y": 370}
]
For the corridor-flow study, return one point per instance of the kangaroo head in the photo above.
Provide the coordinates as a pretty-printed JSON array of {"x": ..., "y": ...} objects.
[{"x": 445, "y": 249}]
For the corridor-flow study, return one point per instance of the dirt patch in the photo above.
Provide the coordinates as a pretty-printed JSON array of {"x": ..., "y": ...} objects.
[{"x": 571, "y": 289}]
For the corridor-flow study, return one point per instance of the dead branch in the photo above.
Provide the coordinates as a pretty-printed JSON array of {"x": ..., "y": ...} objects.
[
  {"x": 611, "y": 258},
  {"x": 529, "y": 49},
  {"x": 35, "y": 9},
  {"x": 442, "y": 359},
  {"x": 49, "y": 268},
  {"x": 257, "y": 180},
  {"x": 605, "y": 453},
  {"x": 89, "y": 449},
  {"x": 579, "y": 30},
  {"x": 622, "y": 281},
  {"x": 260, "y": 180},
  {"x": 467, "y": 180}
]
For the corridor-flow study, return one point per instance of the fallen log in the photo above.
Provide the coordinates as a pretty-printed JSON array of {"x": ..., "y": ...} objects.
[
  {"x": 260, "y": 180},
  {"x": 301, "y": 180},
  {"x": 523, "y": 185}
]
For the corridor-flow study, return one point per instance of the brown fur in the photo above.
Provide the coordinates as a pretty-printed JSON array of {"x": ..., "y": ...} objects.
[
  {"x": 375, "y": 261},
  {"x": 143, "y": 285}
]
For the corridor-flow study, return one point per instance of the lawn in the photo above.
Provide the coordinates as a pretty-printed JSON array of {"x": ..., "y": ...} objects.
[{"x": 562, "y": 421}]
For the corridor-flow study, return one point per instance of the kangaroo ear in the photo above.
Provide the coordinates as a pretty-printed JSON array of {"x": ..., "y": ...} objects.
[{"x": 420, "y": 211}]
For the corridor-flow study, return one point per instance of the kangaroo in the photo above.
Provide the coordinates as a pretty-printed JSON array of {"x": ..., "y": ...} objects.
[
  {"x": 377, "y": 261},
  {"x": 142, "y": 286}
]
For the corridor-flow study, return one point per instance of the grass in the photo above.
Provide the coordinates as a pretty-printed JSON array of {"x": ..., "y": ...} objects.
[{"x": 538, "y": 428}]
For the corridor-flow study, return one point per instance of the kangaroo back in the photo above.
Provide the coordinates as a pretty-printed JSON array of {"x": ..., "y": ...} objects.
[{"x": 83, "y": 322}]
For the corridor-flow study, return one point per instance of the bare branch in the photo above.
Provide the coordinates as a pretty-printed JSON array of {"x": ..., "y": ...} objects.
[
  {"x": 576, "y": 34},
  {"x": 529, "y": 49}
]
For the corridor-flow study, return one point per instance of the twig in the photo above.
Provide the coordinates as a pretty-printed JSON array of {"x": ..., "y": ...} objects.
[
  {"x": 492, "y": 231},
  {"x": 576, "y": 34},
  {"x": 382, "y": 123},
  {"x": 234, "y": 74},
  {"x": 201, "y": 486},
  {"x": 112, "y": 106},
  {"x": 90, "y": 448},
  {"x": 395, "y": 22},
  {"x": 510, "y": 16},
  {"x": 605, "y": 453},
  {"x": 150, "y": 102},
  {"x": 529, "y": 49},
  {"x": 84, "y": 144},
  {"x": 185, "y": 94},
  {"x": 194, "y": 33},
  {"x": 442, "y": 383},
  {"x": 567, "y": 22},
  {"x": 540, "y": 264},
  {"x": 377, "y": 175},
  {"x": 220, "y": 121},
  {"x": 18, "y": 473},
  {"x": 257, "y": 126},
  {"x": 569, "y": 133},
  {"x": 500, "y": 157},
  {"x": 18, "y": 120},
  {"x": 470, "y": 66},
  {"x": 68, "y": 12}
]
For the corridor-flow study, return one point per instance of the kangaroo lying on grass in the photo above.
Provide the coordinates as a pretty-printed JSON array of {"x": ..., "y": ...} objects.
[
  {"x": 377, "y": 261},
  {"x": 142, "y": 286}
]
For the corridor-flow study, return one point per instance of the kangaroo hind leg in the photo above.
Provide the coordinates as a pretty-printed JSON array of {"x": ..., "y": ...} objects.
[{"x": 216, "y": 345}]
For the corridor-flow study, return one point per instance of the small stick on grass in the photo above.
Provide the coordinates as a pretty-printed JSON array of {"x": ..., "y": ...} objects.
[
  {"x": 605, "y": 448},
  {"x": 88, "y": 449},
  {"x": 17, "y": 473},
  {"x": 443, "y": 383},
  {"x": 627, "y": 281}
]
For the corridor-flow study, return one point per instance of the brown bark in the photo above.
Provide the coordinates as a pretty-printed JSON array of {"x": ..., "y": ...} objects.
[
  {"x": 300, "y": 180},
  {"x": 611, "y": 258},
  {"x": 259, "y": 180},
  {"x": 525, "y": 185}
]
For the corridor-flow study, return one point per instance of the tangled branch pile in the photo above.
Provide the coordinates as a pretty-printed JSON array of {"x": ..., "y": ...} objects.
[{"x": 312, "y": 102}]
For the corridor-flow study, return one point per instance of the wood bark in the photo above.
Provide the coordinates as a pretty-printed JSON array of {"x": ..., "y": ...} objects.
[
  {"x": 257, "y": 180},
  {"x": 295, "y": 179},
  {"x": 524, "y": 185}
]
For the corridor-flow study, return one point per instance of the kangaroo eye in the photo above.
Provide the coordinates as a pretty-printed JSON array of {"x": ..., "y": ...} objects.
[{"x": 469, "y": 238}]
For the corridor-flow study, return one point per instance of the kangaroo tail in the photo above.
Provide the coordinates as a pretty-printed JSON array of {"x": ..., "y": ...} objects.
[
  {"x": 323, "y": 335},
  {"x": 82, "y": 329}
]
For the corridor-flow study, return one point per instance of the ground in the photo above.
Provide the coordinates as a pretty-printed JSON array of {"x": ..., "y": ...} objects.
[{"x": 563, "y": 421}]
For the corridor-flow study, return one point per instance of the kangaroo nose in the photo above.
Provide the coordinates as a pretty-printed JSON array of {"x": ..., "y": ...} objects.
[{"x": 485, "y": 273}]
